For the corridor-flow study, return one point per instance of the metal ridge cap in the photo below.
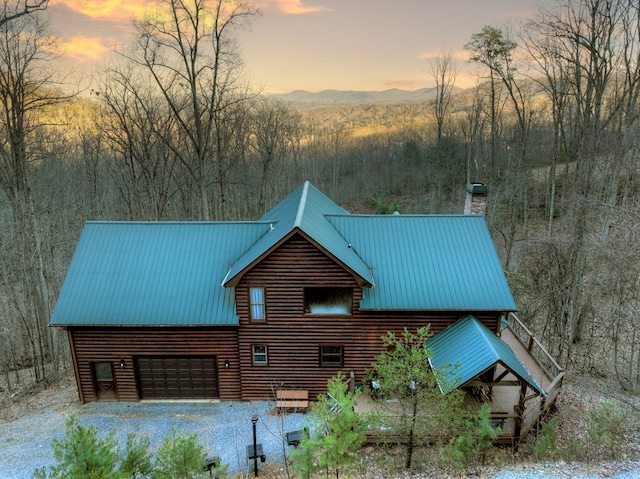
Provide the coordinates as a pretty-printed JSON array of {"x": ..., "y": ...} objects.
[{"x": 301, "y": 205}]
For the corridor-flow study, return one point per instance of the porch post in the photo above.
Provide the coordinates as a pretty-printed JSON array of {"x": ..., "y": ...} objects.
[{"x": 519, "y": 410}]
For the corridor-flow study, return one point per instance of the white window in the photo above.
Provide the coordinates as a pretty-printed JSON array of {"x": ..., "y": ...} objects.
[
  {"x": 259, "y": 354},
  {"x": 257, "y": 306}
]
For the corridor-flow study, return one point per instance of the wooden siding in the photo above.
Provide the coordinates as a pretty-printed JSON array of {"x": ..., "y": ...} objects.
[
  {"x": 293, "y": 338},
  {"x": 115, "y": 344}
]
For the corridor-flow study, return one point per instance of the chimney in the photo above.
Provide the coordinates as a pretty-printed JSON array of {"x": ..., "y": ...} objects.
[{"x": 475, "y": 202}]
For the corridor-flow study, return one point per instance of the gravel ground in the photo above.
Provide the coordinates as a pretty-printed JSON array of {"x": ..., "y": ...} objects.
[
  {"x": 573, "y": 471},
  {"x": 224, "y": 429},
  {"x": 30, "y": 419}
]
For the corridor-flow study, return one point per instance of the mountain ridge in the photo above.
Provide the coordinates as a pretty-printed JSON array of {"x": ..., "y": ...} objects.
[{"x": 355, "y": 97}]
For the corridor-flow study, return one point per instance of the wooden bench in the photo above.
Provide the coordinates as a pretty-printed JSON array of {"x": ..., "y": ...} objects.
[{"x": 292, "y": 398}]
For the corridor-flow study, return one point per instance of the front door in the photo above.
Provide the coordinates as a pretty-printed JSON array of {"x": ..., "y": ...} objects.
[{"x": 104, "y": 382}]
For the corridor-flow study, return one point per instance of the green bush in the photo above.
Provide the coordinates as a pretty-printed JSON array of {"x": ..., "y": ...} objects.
[
  {"x": 137, "y": 461},
  {"x": 412, "y": 404},
  {"x": 82, "y": 455}
]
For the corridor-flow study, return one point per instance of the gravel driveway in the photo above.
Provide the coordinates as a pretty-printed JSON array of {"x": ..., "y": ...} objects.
[{"x": 223, "y": 428}]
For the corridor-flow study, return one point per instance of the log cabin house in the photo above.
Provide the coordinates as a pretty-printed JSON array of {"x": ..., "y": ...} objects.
[{"x": 236, "y": 310}]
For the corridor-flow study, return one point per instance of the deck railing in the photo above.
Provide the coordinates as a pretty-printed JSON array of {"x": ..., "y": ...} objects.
[{"x": 535, "y": 348}]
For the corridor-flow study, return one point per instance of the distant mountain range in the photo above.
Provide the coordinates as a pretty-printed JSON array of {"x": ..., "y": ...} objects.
[{"x": 337, "y": 97}]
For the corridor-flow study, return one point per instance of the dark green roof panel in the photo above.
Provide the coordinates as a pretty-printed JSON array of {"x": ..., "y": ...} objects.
[
  {"x": 428, "y": 262},
  {"x": 153, "y": 274}
]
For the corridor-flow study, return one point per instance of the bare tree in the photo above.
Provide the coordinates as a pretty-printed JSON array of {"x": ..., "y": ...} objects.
[
  {"x": 137, "y": 127},
  {"x": 490, "y": 48},
  {"x": 271, "y": 127},
  {"x": 26, "y": 87},
  {"x": 187, "y": 49},
  {"x": 444, "y": 72},
  {"x": 12, "y": 10}
]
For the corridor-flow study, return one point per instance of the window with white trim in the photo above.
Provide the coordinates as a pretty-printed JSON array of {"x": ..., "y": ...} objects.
[
  {"x": 257, "y": 304},
  {"x": 259, "y": 354}
]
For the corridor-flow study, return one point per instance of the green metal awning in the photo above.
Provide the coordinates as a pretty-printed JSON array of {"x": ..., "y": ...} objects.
[{"x": 471, "y": 348}]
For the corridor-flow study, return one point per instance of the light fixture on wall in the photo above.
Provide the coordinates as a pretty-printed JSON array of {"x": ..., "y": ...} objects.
[
  {"x": 122, "y": 364},
  {"x": 226, "y": 364}
]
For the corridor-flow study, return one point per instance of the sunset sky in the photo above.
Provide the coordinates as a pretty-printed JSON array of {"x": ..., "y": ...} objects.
[{"x": 313, "y": 44}]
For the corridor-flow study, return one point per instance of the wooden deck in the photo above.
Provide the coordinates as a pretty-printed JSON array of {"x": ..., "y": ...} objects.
[{"x": 505, "y": 395}]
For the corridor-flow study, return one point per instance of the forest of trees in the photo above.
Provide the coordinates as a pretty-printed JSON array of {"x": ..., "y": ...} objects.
[{"x": 173, "y": 131}]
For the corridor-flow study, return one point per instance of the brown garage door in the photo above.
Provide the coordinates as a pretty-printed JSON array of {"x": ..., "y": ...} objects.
[{"x": 177, "y": 377}]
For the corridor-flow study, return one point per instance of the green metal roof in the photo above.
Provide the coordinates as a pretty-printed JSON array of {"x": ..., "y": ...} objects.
[
  {"x": 153, "y": 274},
  {"x": 472, "y": 348},
  {"x": 306, "y": 210},
  {"x": 171, "y": 273},
  {"x": 428, "y": 262}
]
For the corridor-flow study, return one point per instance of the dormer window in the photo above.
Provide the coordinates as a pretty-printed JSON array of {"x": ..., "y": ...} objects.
[
  {"x": 328, "y": 301},
  {"x": 257, "y": 305}
]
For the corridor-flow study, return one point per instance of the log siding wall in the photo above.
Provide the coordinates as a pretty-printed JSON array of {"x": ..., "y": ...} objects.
[
  {"x": 294, "y": 338},
  {"x": 114, "y": 344}
]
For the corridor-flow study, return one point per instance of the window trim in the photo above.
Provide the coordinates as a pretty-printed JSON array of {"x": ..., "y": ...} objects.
[
  {"x": 100, "y": 367},
  {"x": 262, "y": 304},
  {"x": 324, "y": 355},
  {"x": 254, "y": 354}
]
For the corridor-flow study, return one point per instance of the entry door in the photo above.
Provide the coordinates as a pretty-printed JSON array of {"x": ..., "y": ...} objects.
[{"x": 105, "y": 384}]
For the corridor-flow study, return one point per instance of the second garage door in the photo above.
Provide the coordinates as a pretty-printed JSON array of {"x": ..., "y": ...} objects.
[{"x": 177, "y": 377}]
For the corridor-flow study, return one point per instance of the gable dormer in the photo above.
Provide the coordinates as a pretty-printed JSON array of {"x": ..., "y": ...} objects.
[{"x": 304, "y": 212}]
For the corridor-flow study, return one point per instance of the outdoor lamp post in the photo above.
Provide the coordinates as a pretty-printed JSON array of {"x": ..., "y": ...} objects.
[{"x": 254, "y": 420}]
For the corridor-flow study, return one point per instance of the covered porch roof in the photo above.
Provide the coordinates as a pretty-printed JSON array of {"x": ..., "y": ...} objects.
[{"x": 472, "y": 349}]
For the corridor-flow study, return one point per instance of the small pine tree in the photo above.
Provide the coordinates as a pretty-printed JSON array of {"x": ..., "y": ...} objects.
[
  {"x": 606, "y": 428},
  {"x": 418, "y": 410},
  {"x": 180, "y": 456},
  {"x": 302, "y": 457},
  {"x": 137, "y": 461},
  {"x": 545, "y": 445},
  {"x": 335, "y": 434},
  {"x": 81, "y": 455},
  {"x": 476, "y": 440}
]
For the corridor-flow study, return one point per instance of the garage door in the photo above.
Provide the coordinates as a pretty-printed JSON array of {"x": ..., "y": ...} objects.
[{"x": 177, "y": 377}]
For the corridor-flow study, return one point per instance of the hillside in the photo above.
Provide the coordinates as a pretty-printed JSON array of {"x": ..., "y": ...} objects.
[{"x": 302, "y": 98}]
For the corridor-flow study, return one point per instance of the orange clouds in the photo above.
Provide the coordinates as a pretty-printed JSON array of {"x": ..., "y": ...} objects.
[
  {"x": 119, "y": 10},
  {"x": 296, "y": 7},
  {"x": 114, "y": 10},
  {"x": 81, "y": 48}
]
